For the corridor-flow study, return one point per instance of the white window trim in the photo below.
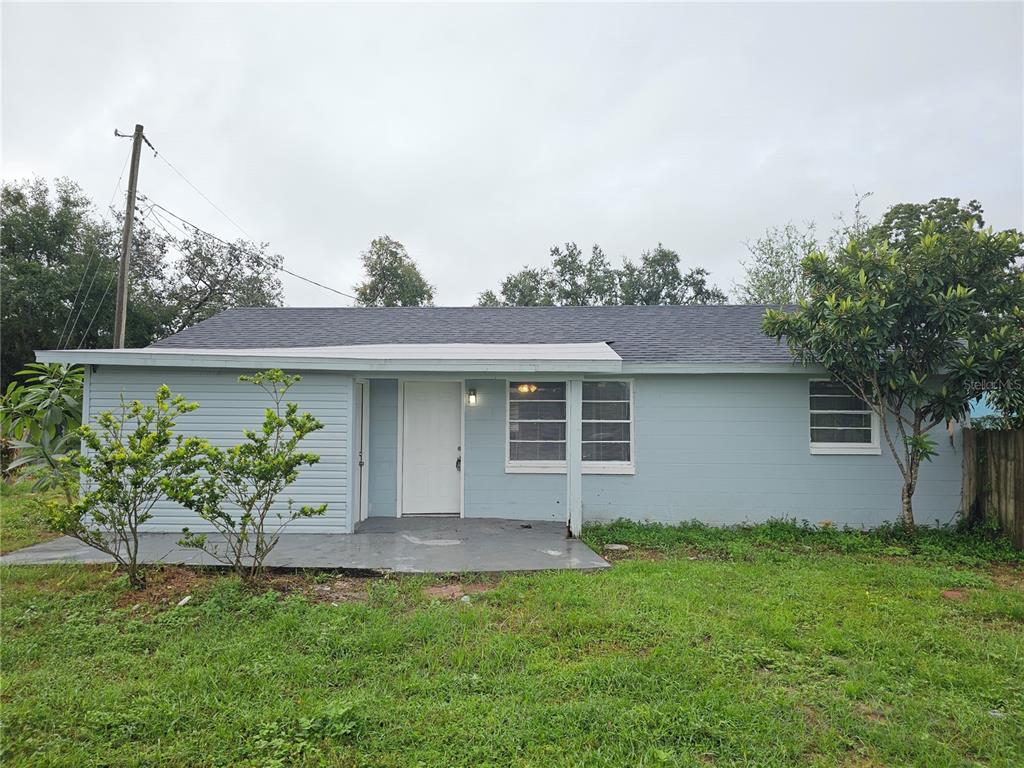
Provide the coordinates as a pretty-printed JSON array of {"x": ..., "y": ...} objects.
[
  {"x": 617, "y": 467},
  {"x": 532, "y": 467},
  {"x": 874, "y": 448},
  {"x": 560, "y": 467}
]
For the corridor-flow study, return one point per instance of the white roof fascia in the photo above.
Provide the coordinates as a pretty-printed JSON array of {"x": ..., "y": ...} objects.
[{"x": 471, "y": 358}]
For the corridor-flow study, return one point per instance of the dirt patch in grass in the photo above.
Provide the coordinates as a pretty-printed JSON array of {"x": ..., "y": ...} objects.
[
  {"x": 870, "y": 713},
  {"x": 1008, "y": 576},
  {"x": 167, "y": 586},
  {"x": 811, "y": 716},
  {"x": 455, "y": 591},
  {"x": 339, "y": 589},
  {"x": 651, "y": 555},
  {"x": 959, "y": 595}
]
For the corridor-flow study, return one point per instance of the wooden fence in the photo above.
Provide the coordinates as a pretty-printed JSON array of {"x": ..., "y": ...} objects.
[{"x": 993, "y": 487}]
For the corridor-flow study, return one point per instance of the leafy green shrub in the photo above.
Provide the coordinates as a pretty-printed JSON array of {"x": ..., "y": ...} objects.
[
  {"x": 240, "y": 485},
  {"x": 132, "y": 457},
  {"x": 996, "y": 422},
  {"x": 39, "y": 420}
]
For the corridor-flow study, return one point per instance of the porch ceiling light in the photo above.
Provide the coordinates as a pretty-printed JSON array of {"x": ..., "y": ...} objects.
[
  {"x": 527, "y": 389},
  {"x": 471, "y": 396}
]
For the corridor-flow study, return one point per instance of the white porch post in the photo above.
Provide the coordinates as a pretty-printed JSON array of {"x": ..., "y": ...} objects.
[{"x": 574, "y": 457}]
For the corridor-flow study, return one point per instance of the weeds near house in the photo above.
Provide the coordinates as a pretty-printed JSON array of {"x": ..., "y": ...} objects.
[{"x": 949, "y": 545}]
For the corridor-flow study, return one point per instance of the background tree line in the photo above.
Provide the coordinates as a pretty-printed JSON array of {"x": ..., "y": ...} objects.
[
  {"x": 59, "y": 258},
  {"x": 573, "y": 280}
]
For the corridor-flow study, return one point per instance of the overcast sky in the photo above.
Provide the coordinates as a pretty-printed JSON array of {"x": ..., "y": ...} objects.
[{"x": 479, "y": 135}]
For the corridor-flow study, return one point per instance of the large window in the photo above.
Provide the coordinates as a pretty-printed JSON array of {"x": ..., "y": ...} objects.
[
  {"x": 536, "y": 421},
  {"x": 840, "y": 421},
  {"x": 607, "y": 421},
  {"x": 537, "y": 426}
]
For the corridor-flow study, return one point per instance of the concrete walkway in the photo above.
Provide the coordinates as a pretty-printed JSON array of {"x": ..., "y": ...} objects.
[{"x": 405, "y": 545}]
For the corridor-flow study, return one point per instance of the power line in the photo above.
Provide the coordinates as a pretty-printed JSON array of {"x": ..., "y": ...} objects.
[
  {"x": 153, "y": 204},
  {"x": 157, "y": 153},
  {"x": 95, "y": 314},
  {"x": 71, "y": 329},
  {"x": 119, "y": 177},
  {"x": 152, "y": 214},
  {"x": 69, "y": 325}
]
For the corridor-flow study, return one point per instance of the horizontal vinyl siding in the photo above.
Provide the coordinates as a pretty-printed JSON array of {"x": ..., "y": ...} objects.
[
  {"x": 226, "y": 407},
  {"x": 734, "y": 448}
]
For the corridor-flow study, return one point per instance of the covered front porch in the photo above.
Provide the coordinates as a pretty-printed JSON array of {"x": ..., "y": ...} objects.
[
  {"x": 497, "y": 437},
  {"x": 401, "y": 545},
  {"x": 488, "y": 432}
]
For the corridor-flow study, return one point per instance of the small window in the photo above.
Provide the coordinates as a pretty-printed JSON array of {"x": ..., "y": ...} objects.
[
  {"x": 536, "y": 421},
  {"x": 840, "y": 421},
  {"x": 607, "y": 422}
]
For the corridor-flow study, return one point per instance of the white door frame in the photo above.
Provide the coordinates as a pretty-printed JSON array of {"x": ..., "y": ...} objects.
[
  {"x": 364, "y": 451},
  {"x": 401, "y": 438}
]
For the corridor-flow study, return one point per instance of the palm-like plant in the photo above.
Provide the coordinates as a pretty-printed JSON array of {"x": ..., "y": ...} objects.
[{"x": 39, "y": 418}]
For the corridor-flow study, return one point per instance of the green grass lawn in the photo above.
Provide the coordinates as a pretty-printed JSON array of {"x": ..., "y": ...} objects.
[
  {"x": 752, "y": 648},
  {"x": 21, "y": 516}
]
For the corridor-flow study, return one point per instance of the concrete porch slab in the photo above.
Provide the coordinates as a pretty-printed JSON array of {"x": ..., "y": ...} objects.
[{"x": 404, "y": 545}]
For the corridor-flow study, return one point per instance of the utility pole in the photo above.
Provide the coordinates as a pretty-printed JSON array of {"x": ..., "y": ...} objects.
[{"x": 121, "y": 309}]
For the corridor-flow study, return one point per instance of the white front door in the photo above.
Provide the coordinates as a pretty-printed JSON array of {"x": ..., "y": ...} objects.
[{"x": 431, "y": 448}]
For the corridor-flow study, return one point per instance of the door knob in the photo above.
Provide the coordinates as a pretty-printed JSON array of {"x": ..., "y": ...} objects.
[{"x": 458, "y": 464}]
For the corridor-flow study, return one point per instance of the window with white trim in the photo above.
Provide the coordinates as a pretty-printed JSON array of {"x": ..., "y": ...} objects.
[
  {"x": 536, "y": 421},
  {"x": 840, "y": 421},
  {"x": 607, "y": 422}
]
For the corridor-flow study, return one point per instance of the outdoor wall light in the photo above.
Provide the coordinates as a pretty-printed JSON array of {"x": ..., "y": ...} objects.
[{"x": 471, "y": 396}]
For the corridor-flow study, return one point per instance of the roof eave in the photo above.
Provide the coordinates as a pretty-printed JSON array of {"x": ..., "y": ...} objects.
[
  {"x": 166, "y": 359},
  {"x": 234, "y": 360}
]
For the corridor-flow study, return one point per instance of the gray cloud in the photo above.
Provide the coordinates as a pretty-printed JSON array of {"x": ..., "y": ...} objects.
[{"x": 481, "y": 135}]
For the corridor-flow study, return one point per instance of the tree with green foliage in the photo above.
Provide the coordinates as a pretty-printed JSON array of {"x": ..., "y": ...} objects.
[
  {"x": 133, "y": 457},
  {"x": 657, "y": 279},
  {"x": 238, "y": 490},
  {"x": 917, "y": 319},
  {"x": 528, "y": 287},
  {"x": 58, "y": 273},
  {"x": 392, "y": 277},
  {"x": 572, "y": 280},
  {"x": 774, "y": 273},
  {"x": 209, "y": 276},
  {"x": 40, "y": 417},
  {"x": 575, "y": 281}
]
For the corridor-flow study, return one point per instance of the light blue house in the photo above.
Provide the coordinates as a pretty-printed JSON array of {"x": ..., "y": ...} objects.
[{"x": 571, "y": 414}]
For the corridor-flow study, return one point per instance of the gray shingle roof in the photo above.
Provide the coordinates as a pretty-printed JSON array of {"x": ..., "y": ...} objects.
[{"x": 697, "y": 334}]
